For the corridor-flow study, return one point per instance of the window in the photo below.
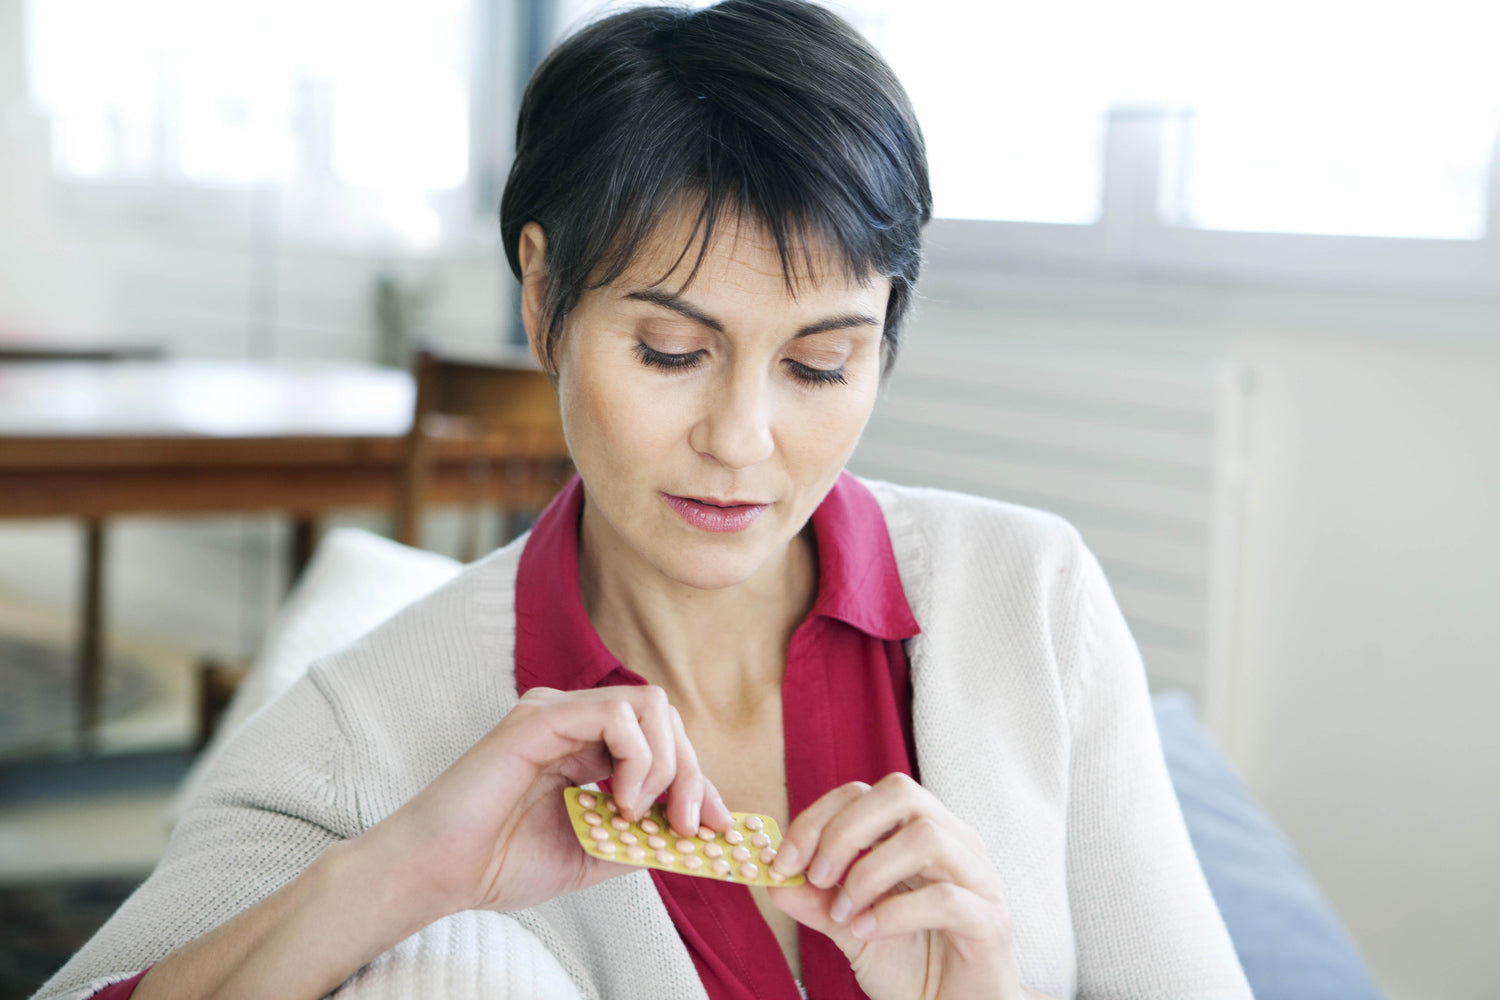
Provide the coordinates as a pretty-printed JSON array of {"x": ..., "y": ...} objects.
[
  {"x": 357, "y": 113},
  {"x": 1334, "y": 117},
  {"x": 1295, "y": 116}
]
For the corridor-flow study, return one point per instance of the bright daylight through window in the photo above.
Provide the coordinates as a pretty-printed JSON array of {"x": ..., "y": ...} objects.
[
  {"x": 1293, "y": 116},
  {"x": 301, "y": 94}
]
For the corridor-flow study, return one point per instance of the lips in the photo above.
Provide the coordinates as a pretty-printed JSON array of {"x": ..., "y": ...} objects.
[
  {"x": 715, "y": 514},
  {"x": 716, "y": 502}
]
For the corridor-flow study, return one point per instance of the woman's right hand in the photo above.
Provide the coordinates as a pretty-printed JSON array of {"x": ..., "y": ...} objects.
[{"x": 492, "y": 831}]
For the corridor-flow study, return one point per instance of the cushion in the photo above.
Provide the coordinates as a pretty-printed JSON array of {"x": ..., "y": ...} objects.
[
  {"x": 355, "y": 580},
  {"x": 1288, "y": 938}
]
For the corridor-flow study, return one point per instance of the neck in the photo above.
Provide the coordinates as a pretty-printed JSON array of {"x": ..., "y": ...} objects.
[{"x": 719, "y": 654}]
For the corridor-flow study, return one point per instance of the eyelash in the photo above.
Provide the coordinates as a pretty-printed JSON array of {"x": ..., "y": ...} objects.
[{"x": 683, "y": 362}]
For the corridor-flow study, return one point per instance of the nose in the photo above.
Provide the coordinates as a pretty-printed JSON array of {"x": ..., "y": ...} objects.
[{"x": 735, "y": 428}]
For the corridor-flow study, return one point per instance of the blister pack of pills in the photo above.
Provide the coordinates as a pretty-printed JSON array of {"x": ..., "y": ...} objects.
[{"x": 742, "y": 854}]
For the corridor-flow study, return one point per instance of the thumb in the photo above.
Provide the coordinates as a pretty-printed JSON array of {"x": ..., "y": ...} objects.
[{"x": 809, "y": 906}]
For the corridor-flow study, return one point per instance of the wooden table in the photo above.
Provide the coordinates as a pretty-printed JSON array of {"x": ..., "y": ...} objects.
[
  {"x": 94, "y": 440},
  {"x": 16, "y": 346}
]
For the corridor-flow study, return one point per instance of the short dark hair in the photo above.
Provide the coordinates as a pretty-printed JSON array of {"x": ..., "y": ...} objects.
[{"x": 772, "y": 110}]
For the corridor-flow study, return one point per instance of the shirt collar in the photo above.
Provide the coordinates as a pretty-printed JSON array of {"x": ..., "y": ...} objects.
[
  {"x": 858, "y": 581},
  {"x": 556, "y": 645}
]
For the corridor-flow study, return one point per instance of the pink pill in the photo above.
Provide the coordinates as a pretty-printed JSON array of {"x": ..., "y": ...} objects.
[
  {"x": 761, "y": 840},
  {"x": 636, "y": 853},
  {"x": 733, "y": 837},
  {"x": 721, "y": 866},
  {"x": 776, "y": 876},
  {"x": 741, "y": 853},
  {"x": 628, "y": 838},
  {"x": 693, "y": 862},
  {"x": 619, "y": 823},
  {"x": 748, "y": 871},
  {"x": 656, "y": 841},
  {"x": 592, "y": 818},
  {"x": 707, "y": 833},
  {"x": 586, "y": 800},
  {"x": 665, "y": 857},
  {"x": 650, "y": 826},
  {"x": 609, "y": 806},
  {"x": 768, "y": 855},
  {"x": 599, "y": 833},
  {"x": 685, "y": 846},
  {"x": 753, "y": 823},
  {"x": 607, "y": 847},
  {"x": 713, "y": 850}
]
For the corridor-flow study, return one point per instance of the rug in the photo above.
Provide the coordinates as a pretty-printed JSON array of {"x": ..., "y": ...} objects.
[
  {"x": 38, "y": 709},
  {"x": 42, "y": 925}
]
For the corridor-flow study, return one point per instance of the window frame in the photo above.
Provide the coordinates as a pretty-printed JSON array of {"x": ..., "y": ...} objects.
[{"x": 1131, "y": 240}]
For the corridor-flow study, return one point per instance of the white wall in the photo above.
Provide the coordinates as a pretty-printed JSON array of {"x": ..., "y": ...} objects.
[
  {"x": 1372, "y": 644},
  {"x": 1367, "y": 647}
]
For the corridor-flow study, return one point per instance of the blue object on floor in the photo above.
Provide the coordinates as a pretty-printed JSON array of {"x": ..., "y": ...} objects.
[{"x": 1290, "y": 942}]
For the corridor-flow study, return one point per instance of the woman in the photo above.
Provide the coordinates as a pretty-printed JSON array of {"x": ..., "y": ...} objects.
[{"x": 715, "y": 218}]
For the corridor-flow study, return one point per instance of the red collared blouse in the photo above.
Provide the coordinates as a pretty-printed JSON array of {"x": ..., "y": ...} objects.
[{"x": 846, "y": 712}]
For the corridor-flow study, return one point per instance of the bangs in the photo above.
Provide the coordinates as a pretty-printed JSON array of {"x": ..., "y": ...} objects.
[{"x": 807, "y": 246}]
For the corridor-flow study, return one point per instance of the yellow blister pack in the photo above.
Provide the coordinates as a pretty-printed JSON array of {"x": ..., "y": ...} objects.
[{"x": 742, "y": 854}]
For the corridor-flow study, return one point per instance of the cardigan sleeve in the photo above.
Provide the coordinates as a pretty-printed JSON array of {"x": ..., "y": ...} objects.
[
  {"x": 270, "y": 808},
  {"x": 280, "y": 793},
  {"x": 1144, "y": 921}
]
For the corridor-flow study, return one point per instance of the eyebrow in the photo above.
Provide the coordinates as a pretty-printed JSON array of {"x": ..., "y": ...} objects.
[{"x": 684, "y": 308}]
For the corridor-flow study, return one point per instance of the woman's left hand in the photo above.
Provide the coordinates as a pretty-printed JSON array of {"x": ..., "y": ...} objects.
[{"x": 905, "y": 889}]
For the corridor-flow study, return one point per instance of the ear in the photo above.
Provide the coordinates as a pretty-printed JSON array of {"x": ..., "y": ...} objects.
[{"x": 532, "y": 254}]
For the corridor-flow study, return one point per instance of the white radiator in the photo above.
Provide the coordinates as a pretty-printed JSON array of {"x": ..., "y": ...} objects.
[{"x": 1143, "y": 456}]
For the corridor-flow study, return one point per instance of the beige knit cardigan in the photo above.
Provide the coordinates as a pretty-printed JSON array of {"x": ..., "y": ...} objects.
[{"x": 1033, "y": 725}]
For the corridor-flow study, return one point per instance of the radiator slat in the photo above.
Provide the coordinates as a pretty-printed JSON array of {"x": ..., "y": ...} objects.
[
  {"x": 1158, "y": 451},
  {"x": 1133, "y": 453},
  {"x": 1171, "y": 505}
]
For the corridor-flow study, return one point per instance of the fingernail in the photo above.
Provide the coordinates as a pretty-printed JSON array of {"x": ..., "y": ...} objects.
[
  {"x": 864, "y": 926},
  {"x": 818, "y": 873},
  {"x": 629, "y": 798},
  {"x": 693, "y": 816},
  {"x": 841, "y": 908},
  {"x": 787, "y": 858}
]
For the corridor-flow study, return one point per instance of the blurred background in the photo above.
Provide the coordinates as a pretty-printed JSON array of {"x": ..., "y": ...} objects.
[{"x": 1219, "y": 282}]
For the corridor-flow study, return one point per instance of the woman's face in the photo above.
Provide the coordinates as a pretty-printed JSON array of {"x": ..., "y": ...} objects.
[{"x": 707, "y": 423}]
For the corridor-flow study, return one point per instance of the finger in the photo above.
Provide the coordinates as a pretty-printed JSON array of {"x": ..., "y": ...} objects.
[
  {"x": 715, "y": 813},
  {"x": 639, "y": 777},
  {"x": 689, "y": 787},
  {"x": 544, "y": 729},
  {"x": 800, "y": 842},
  {"x": 629, "y": 745},
  {"x": 924, "y": 850},
  {"x": 655, "y": 715},
  {"x": 891, "y": 803},
  {"x": 941, "y": 906},
  {"x": 808, "y": 905}
]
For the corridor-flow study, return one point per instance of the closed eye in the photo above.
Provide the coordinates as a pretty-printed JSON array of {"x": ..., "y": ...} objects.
[
  {"x": 806, "y": 374},
  {"x": 668, "y": 362},
  {"x": 817, "y": 376}
]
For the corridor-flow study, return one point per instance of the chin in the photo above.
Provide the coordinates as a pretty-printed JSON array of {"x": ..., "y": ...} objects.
[{"x": 709, "y": 567}]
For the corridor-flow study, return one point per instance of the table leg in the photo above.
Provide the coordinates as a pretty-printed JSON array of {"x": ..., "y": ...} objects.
[
  {"x": 304, "y": 540},
  {"x": 91, "y": 653}
]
